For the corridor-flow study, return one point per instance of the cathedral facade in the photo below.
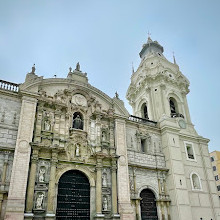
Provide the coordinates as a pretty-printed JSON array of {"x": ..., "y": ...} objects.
[{"x": 69, "y": 151}]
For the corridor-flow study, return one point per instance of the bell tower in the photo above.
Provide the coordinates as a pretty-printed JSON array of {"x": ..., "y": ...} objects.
[
  {"x": 158, "y": 89},
  {"x": 157, "y": 92}
]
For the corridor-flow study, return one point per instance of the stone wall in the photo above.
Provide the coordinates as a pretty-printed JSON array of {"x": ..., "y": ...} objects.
[{"x": 9, "y": 118}]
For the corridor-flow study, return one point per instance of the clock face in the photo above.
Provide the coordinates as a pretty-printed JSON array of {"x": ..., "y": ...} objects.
[{"x": 182, "y": 123}]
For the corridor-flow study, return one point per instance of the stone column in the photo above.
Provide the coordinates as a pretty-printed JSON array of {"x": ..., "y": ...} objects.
[
  {"x": 31, "y": 182},
  {"x": 125, "y": 208},
  {"x": 186, "y": 108},
  {"x": 138, "y": 211},
  {"x": 4, "y": 172},
  {"x": 51, "y": 191},
  {"x": 162, "y": 88},
  {"x": 18, "y": 183},
  {"x": 1, "y": 199},
  {"x": 99, "y": 214},
  {"x": 168, "y": 210},
  {"x": 152, "y": 112},
  {"x": 114, "y": 190},
  {"x": 162, "y": 210}
]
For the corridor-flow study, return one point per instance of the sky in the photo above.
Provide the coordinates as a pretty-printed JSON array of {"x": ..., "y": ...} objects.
[{"x": 106, "y": 36}]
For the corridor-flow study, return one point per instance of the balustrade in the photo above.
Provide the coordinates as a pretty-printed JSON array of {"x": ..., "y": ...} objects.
[{"x": 9, "y": 86}]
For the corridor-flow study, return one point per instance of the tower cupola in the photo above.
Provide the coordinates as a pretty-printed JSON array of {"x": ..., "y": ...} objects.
[{"x": 151, "y": 47}]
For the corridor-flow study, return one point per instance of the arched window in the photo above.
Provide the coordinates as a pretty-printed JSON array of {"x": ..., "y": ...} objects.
[
  {"x": 78, "y": 120},
  {"x": 195, "y": 181},
  {"x": 144, "y": 111},
  {"x": 173, "y": 108}
]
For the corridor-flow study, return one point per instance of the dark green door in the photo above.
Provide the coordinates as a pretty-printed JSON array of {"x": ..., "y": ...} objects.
[
  {"x": 148, "y": 205},
  {"x": 73, "y": 200}
]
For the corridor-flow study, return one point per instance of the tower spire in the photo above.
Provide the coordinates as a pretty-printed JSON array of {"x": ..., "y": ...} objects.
[{"x": 174, "y": 59}]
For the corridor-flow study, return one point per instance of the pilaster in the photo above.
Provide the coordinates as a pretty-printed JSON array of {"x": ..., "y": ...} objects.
[
  {"x": 125, "y": 208},
  {"x": 17, "y": 190},
  {"x": 114, "y": 190},
  {"x": 51, "y": 191},
  {"x": 99, "y": 214},
  {"x": 31, "y": 182}
]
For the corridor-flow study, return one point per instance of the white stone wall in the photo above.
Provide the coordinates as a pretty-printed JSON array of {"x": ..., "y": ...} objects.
[{"x": 9, "y": 117}]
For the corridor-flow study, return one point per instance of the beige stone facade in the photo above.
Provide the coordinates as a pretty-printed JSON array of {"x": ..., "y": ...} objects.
[
  {"x": 69, "y": 150},
  {"x": 215, "y": 161}
]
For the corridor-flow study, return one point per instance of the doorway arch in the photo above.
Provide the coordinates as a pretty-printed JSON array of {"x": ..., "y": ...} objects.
[
  {"x": 148, "y": 205},
  {"x": 73, "y": 199}
]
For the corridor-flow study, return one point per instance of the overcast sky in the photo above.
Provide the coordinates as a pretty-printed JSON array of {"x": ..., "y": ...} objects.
[{"x": 106, "y": 36}]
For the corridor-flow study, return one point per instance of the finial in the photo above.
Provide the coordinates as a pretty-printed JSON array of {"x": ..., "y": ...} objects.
[
  {"x": 174, "y": 60},
  {"x": 77, "y": 67},
  {"x": 33, "y": 69},
  {"x": 148, "y": 34},
  {"x": 70, "y": 69},
  {"x": 132, "y": 68},
  {"x": 116, "y": 95}
]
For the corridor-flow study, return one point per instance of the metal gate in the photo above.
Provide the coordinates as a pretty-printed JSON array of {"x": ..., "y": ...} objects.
[
  {"x": 148, "y": 205},
  {"x": 73, "y": 200}
]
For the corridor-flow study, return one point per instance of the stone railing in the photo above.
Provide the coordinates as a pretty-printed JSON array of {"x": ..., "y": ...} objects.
[
  {"x": 176, "y": 115},
  {"x": 142, "y": 120},
  {"x": 147, "y": 160},
  {"x": 9, "y": 86}
]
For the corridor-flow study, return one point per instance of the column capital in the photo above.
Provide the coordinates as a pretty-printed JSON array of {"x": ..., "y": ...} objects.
[{"x": 34, "y": 158}]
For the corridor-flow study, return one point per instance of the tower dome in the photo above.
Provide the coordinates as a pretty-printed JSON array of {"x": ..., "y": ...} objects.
[{"x": 151, "y": 47}]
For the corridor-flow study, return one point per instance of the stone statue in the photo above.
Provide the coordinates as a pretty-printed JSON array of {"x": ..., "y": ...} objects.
[
  {"x": 162, "y": 186},
  {"x": 103, "y": 136},
  {"x": 105, "y": 204},
  {"x": 77, "y": 67},
  {"x": 132, "y": 143},
  {"x": 77, "y": 150},
  {"x": 33, "y": 69},
  {"x": 41, "y": 174},
  {"x": 104, "y": 180},
  {"x": 47, "y": 125},
  {"x": 116, "y": 95},
  {"x": 39, "y": 201},
  {"x": 77, "y": 123}
]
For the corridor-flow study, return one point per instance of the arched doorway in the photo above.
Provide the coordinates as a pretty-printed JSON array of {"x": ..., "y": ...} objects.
[
  {"x": 148, "y": 205},
  {"x": 73, "y": 199}
]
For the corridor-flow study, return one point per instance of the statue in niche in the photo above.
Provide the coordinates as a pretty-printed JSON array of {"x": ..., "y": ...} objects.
[
  {"x": 78, "y": 123},
  {"x": 105, "y": 204},
  {"x": 104, "y": 180},
  {"x": 132, "y": 143},
  {"x": 47, "y": 125},
  {"x": 77, "y": 150},
  {"x": 39, "y": 201},
  {"x": 131, "y": 183},
  {"x": 104, "y": 138},
  {"x": 41, "y": 174},
  {"x": 162, "y": 186}
]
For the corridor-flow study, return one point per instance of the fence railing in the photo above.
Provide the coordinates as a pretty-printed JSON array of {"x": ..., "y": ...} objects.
[{"x": 9, "y": 86}]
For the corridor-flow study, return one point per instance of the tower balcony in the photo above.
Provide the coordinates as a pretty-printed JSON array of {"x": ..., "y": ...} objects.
[
  {"x": 142, "y": 120},
  {"x": 176, "y": 115}
]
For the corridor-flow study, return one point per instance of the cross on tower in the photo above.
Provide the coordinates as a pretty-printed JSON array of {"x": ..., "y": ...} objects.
[{"x": 148, "y": 34}]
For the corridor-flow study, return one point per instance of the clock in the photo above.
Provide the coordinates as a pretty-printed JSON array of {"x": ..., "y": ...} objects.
[{"x": 182, "y": 123}]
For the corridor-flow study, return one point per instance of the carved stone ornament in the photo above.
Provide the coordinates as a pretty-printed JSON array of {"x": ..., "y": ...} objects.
[{"x": 79, "y": 100}]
